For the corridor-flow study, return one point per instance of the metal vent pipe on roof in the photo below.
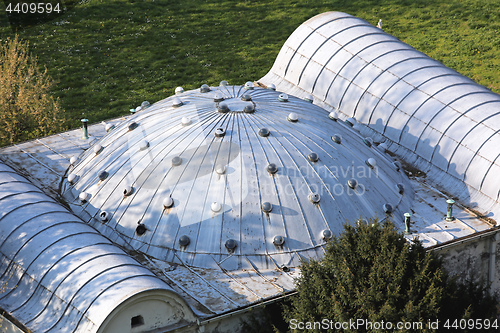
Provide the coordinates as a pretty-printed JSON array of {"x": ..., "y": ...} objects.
[
  {"x": 407, "y": 223},
  {"x": 449, "y": 213},
  {"x": 85, "y": 129}
]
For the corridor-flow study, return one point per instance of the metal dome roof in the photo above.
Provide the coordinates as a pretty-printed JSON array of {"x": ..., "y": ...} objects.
[{"x": 233, "y": 171}]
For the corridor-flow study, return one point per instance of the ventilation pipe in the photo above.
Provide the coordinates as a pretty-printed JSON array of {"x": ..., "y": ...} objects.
[
  {"x": 407, "y": 223},
  {"x": 449, "y": 213},
  {"x": 85, "y": 129}
]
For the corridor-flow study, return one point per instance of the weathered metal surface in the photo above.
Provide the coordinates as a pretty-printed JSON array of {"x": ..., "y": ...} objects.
[
  {"x": 57, "y": 273},
  {"x": 218, "y": 183},
  {"x": 213, "y": 162},
  {"x": 436, "y": 119},
  {"x": 44, "y": 161}
]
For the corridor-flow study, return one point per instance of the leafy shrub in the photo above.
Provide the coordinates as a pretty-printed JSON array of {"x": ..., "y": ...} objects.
[{"x": 27, "y": 109}]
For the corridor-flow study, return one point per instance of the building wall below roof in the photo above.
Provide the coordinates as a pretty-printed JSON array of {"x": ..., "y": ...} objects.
[
  {"x": 148, "y": 311},
  {"x": 475, "y": 259}
]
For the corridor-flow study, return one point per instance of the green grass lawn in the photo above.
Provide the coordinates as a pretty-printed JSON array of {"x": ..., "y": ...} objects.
[{"x": 108, "y": 56}]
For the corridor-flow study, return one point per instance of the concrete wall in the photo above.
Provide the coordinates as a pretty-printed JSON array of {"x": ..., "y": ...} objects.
[{"x": 477, "y": 257}]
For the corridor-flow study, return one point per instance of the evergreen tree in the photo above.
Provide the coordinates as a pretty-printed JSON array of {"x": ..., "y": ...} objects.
[{"x": 371, "y": 273}]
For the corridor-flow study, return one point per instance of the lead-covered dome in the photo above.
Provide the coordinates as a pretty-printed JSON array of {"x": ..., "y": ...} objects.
[{"x": 236, "y": 174}]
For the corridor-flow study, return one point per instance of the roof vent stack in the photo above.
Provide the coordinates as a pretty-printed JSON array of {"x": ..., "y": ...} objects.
[
  {"x": 449, "y": 213},
  {"x": 85, "y": 129},
  {"x": 407, "y": 223}
]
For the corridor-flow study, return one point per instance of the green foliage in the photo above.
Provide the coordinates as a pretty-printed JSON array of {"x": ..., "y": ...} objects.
[
  {"x": 371, "y": 272},
  {"x": 110, "y": 55},
  {"x": 27, "y": 109}
]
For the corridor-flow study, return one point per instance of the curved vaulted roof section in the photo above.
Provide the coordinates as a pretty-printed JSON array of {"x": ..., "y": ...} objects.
[
  {"x": 435, "y": 118},
  {"x": 194, "y": 183},
  {"x": 59, "y": 274}
]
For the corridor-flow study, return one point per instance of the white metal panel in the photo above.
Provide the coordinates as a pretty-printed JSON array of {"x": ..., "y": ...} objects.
[
  {"x": 490, "y": 183},
  {"x": 195, "y": 186},
  {"x": 48, "y": 254},
  {"x": 413, "y": 102}
]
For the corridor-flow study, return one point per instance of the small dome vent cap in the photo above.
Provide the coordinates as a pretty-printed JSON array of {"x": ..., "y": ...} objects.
[
  {"x": 176, "y": 161},
  {"x": 184, "y": 240},
  {"x": 220, "y": 132},
  {"x": 84, "y": 197},
  {"x": 388, "y": 209},
  {"x": 278, "y": 240},
  {"x": 264, "y": 132},
  {"x": 223, "y": 108},
  {"x": 401, "y": 188},
  {"x": 168, "y": 202},
  {"x": 71, "y": 178},
  {"x": 186, "y": 121},
  {"x": 231, "y": 245},
  {"x": 337, "y": 138},
  {"x": 293, "y": 117},
  {"x": 216, "y": 207},
  {"x": 283, "y": 97},
  {"x": 249, "y": 108},
  {"x": 352, "y": 183},
  {"x": 333, "y": 116},
  {"x": 132, "y": 126},
  {"x": 218, "y": 97},
  {"x": 313, "y": 157},
  {"x": 371, "y": 162},
  {"x": 267, "y": 207},
  {"x": 176, "y": 102},
  {"x": 351, "y": 121},
  {"x": 272, "y": 168},
  {"x": 104, "y": 216},
  {"x": 141, "y": 229},
  {"x": 102, "y": 175},
  {"x": 97, "y": 149},
  {"x": 246, "y": 97},
  {"x": 127, "y": 191},
  {"x": 204, "y": 88},
  {"x": 326, "y": 234},
  {"x": 368, "y": 141},
  {"x": 314, "y": 198}
]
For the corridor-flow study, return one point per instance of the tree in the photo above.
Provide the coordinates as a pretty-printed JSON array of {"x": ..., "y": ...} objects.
[
  {"x": 371, "y": 273},
  {"x": 27, "y": 109}
]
